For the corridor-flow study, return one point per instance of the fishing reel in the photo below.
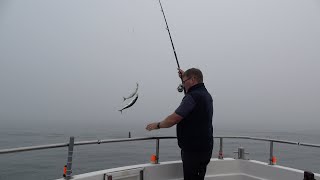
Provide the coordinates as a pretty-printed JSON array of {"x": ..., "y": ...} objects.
[{"x": 180, "y": 88}]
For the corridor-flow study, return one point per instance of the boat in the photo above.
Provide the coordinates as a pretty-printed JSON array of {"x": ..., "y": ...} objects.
[{"x": 220, "y": 168}]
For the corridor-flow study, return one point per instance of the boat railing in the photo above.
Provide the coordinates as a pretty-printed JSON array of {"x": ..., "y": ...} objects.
[{"x": 72, "y": 143}]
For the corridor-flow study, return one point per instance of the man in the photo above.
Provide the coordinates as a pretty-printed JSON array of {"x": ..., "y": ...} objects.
[{"x": 194, "y": 125}]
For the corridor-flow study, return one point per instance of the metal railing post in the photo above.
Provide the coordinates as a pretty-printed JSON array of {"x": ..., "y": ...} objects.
[
  {"x": 157, "y": 150},
  {"x": 69, "y": 159},
  {"x": 271, "y": 153},
  {"x": 220, "y": 150},
  {"x": 241, "y": 153}
]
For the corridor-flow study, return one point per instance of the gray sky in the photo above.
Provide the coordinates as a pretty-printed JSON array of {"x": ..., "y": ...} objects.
[{"x": 73, "y": 61}]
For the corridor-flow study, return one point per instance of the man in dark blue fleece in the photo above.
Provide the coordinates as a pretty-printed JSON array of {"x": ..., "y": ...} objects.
[{"x": 194, "y": 125}]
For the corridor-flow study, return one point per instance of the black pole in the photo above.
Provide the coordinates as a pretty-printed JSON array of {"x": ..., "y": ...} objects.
[{"x": 174, "y": 51}]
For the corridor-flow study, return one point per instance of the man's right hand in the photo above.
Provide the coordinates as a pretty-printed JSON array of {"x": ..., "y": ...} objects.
[{"x": 180, "y": 72}]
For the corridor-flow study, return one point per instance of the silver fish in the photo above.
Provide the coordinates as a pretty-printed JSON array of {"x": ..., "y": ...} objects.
[
  {"x": 132, "y": 94},
  {"x": 130, "y": 103}
]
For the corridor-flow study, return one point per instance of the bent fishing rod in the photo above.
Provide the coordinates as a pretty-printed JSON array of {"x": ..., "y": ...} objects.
[{"x": 180, "y": 87}]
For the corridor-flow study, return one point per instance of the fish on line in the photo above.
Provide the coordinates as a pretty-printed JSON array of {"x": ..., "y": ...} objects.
[
  {"x": 132, "y": 94},
  {"x": 131, "y": 103}
]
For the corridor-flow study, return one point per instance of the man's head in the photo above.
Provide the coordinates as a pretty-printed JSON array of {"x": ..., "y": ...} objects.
[{"x": 191, "y": 77}]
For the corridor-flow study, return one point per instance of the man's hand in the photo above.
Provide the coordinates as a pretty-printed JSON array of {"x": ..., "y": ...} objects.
[
  {"x": 180, "y": 72},
  {"x": 152, "y": 126}
]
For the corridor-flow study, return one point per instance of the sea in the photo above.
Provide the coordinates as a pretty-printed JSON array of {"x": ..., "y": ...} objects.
[{"x": 48, "y": 164}]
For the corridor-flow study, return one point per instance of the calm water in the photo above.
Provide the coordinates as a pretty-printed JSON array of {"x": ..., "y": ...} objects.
[{"x": 48, "y": 164}]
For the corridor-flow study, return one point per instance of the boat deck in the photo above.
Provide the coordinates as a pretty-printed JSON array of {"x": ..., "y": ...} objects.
[{"x": 226, "y": 169}]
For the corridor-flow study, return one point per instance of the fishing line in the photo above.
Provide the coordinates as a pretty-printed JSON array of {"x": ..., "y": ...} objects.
[{"x": 180, "y": 87}]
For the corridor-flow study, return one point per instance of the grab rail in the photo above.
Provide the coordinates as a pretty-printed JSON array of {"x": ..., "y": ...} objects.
[{"x": 71, "y": 144}]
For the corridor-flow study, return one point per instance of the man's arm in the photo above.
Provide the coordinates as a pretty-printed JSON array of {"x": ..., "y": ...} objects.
[{"x": 169, "y": 121}]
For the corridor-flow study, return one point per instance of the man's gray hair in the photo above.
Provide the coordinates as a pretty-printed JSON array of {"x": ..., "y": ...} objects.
[{"x": 194, "y": 72}]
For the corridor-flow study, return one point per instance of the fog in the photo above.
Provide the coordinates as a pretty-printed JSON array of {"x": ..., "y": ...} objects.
[{"x": 71, "y": 62}]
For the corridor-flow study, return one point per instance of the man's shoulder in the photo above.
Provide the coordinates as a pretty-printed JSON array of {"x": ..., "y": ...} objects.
[{"x": 188, "y": 97}]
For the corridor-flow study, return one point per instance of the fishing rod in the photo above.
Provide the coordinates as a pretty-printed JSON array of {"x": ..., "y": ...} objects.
[{"x": 180, "y": 87}]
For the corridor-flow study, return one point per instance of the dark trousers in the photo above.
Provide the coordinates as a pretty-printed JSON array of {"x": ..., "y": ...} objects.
[{"x": 195, "y": 164}]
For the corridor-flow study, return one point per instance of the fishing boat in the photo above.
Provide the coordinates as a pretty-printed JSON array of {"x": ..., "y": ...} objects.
[{"x": 220, "y": 168}]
